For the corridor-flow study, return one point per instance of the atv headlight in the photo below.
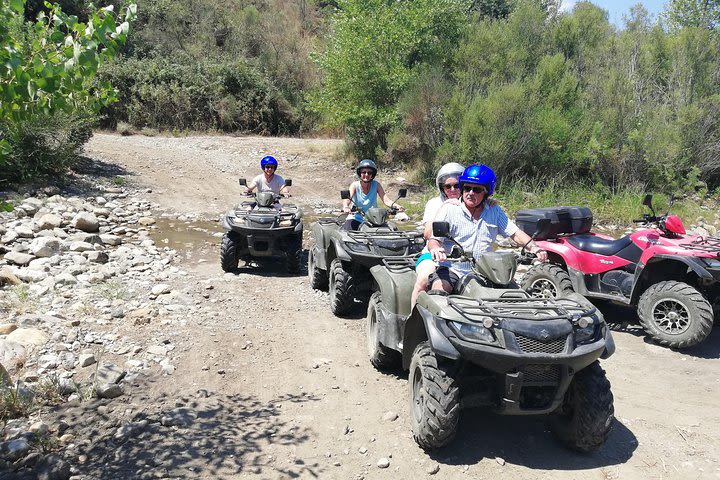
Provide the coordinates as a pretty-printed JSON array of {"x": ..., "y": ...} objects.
[
  {"x": 285, "y": 223},
  {"x": 357, "y": 247},
  {"x": 473, "y": 332},
  {"x": 585, "y": 334}
]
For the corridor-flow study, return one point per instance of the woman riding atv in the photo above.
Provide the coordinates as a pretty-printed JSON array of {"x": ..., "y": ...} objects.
[
  {"x": 269, "y": 181},
  {"x": 364, "y": 193}
]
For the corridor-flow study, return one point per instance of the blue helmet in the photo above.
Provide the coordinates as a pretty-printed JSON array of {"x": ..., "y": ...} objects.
[
  {"x": 268, "y": 160},
  {"x": 479, "y": 175}
]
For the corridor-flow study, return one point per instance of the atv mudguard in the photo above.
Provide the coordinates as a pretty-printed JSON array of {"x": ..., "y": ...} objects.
[
  {"x": 642, "y": 272},
  {"x": 423, "y": 325},
  {"x": 395, "y": 287}
]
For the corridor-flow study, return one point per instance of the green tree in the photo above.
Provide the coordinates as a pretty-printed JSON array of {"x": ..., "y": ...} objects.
[
  {"x": 370, "y": 59},
  {"x": 47, "y": 68},
  {"x": 693, "y": 13}
]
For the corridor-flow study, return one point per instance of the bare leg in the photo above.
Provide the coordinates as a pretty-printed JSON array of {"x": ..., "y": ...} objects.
[{"x": 423, "y": 270}]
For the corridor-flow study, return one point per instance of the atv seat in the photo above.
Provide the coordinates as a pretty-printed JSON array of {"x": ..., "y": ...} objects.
[{"x": 595, "y": 244}]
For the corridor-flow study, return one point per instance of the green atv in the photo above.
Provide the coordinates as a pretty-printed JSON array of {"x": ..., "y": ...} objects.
[
  {"x": 340, "y": 260},
  {"x": 492, "y": 346},
  {"x": 258, "y": 230}
]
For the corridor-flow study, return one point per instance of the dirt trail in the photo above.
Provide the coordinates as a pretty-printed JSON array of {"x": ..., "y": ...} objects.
[{"x": 293, "y": 394}]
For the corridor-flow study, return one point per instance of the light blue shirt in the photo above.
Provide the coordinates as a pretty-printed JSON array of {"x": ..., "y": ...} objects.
[
  {"x": 476, "y": 236},
  {"x": 365, "y": 202}
]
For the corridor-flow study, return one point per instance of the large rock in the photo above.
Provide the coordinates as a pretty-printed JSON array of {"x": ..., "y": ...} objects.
[
  {"x": 81, "y": 247},
  {"x": 28, "y": 336},
  {"x": 49, "y": 221},
  {"x": 87, "y": 222},
  {"x": 18, "y": 258},
  {"x": 11, "y": 354},
  {"x": 8, "y": 278},
  {"x": 24, "y": 231},
  {"x": 45, "y": 247}
]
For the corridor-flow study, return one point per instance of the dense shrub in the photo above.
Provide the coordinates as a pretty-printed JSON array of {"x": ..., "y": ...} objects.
[{"x": 182, "y": 93}]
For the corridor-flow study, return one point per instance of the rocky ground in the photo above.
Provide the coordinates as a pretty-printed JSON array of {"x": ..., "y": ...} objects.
[{"x": 131, "y": 355}]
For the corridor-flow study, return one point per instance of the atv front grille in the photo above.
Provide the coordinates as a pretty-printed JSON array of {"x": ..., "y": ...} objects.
[
  {"x": 704, "y": 244},
  {"x": 541, "y": 374},
  {"x": 535, "y": 345}
]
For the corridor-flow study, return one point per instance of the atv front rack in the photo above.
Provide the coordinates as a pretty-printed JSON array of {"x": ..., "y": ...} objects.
[
  {"x": 518, "y": 306},
  {"x": 368, "y": 237},
  {"x": 400, "y": 264},
  {"x": 704, "y": 244}
]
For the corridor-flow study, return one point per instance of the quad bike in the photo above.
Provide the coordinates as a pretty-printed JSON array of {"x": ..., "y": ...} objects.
[
  {"x": 488, "y": 345},
  {"x": 340, "y": 260},
  {"x": 262, "y": 229},
  {"x": 672, "y": 278}
]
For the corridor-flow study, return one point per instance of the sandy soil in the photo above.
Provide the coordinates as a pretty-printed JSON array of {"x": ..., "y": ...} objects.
[{"x": 297, "y": 396}]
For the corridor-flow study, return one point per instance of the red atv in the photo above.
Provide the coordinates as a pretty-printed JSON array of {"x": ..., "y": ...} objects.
[{"x": 672, "y": 278}]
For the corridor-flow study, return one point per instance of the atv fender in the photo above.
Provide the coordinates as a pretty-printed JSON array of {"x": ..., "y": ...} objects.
[
  {"x": 424, "y": 325},
  {"x": 609, "y": 345},
  {"x": 395, "y": 287},
  {"x": 669, "y": 263},
  {"x": 340, "y": 250},
  {"x": 225, "y": 223}
]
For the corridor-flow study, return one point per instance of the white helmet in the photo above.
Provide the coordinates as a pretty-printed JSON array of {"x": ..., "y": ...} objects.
[{"x": 448, "y": 170}]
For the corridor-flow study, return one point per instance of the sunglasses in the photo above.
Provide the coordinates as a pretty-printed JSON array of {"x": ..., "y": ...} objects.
[
  {"x": 468, "y": 188},
  {"x": 366, "y": 172},
  {"x": 451, "y": 186}
]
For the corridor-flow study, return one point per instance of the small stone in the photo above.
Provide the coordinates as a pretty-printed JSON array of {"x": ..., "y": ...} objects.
[
  {"x": 363, "y": 450},
  {"x": 87, "y": 222},
  {"x": 390, "y": 416},
  {"x": 433, "y": 469},
  {"x": 500, "y": 460},
  {"x": 107, "y": 390},
  {"x": 86, "y": 359},
  {"x": 18, "y": 258},
  {"x": 7, "y": 328},
  {"x": 160, "y": 289},
  {"x": 383, "y": 463}
]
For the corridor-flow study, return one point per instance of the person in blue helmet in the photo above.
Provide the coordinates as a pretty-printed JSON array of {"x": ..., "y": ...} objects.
[
  {"x": 364, "y": 193},
  {"x": 474, "y": 224},
  {"x": 269, "y": 181}
]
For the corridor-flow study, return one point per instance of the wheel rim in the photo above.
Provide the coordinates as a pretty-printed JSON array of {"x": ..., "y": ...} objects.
[
  {"x": 543, "y": 288},
  {"x": 418, "y": 400},
  {"x": 671, "y": 316}
]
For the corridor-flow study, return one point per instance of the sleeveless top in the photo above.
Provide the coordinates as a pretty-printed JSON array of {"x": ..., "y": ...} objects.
[{"x": 365, "y": 202}]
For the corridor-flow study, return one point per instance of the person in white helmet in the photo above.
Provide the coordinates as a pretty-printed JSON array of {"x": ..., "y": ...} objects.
[
  {"x": 449, "y": 187},
  {"x": 364, "y": 193}
]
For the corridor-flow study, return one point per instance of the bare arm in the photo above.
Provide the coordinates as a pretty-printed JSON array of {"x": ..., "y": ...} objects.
[
  {"x": 387, "y": 200},
  {"x": 523, "y": 239},
  {"x": 346, "y": 201}
]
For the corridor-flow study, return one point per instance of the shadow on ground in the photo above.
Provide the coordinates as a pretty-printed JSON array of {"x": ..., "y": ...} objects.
[
  {"x": 211, "y": 436},
  {"x": 527, "y": 441}
]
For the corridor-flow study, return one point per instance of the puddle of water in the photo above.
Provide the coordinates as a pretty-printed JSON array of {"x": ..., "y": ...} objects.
[{"x": 194, "y": 240}]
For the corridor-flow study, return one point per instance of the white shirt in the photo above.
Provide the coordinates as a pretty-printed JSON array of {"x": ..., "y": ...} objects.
[
  {"x": 476, "y": 236},
  {"x": 275, "y": 185}
]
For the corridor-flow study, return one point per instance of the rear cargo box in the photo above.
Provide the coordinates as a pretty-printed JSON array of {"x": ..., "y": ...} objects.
[{"x": 563, "y": 220}]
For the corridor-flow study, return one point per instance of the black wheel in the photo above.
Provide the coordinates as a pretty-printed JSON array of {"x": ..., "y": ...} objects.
[
  {"x": 342, "y": 289},
  {"x": 294, "y": 254},
  {"x": 382, "y": 357},
  {"x": 318, "y": 276},
  {"x": 546, "y": 280},
  {"x": 434, "y": 400},
  {"x": 584, "y": 420},
  {"x": 228, "y": 252},
  {"x": 675, "y": 314}
]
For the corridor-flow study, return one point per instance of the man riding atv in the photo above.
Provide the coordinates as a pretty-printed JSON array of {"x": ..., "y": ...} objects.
[{"x": 474, "y": 224}]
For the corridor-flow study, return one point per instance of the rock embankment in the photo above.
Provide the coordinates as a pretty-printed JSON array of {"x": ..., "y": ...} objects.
[{"x": 74, "y": 273}]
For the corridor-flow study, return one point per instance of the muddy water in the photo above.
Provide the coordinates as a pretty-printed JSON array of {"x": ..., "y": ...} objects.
[{"x": 196, "y": 241}]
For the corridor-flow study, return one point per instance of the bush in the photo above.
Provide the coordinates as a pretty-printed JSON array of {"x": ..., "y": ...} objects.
[{"x": 184, "y": 94}]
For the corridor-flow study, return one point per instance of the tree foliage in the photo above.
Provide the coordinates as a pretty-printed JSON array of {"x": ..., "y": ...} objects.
[
  {"x": 374, "y": 51},
  {"x": 47, "y": 72},
  {"x": 693, "y": 13}
]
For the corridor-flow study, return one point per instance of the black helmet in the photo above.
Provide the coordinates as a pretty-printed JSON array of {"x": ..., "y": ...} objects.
[{"x": 366, "y": 164}]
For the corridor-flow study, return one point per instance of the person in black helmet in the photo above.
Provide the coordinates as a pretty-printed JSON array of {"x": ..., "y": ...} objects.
[{"x": 364, "y": 193}]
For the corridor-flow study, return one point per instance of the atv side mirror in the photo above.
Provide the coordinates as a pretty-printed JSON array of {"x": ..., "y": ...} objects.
[
  {"x": 288, "y": 182},
  {"x": 543, "y": 228},
  {"x": 402, "y": 193},
  {"x": 441, "y": 229},
  {"x": 647, "y": 201},
  {"x": 345, "y": 194},
  {"x": 243, "y": 182}
]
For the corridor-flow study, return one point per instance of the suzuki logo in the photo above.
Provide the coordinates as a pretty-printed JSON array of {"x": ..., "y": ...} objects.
[
  {"x": 606, "y": 262},
  {"x": 544, "y": 334}
]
